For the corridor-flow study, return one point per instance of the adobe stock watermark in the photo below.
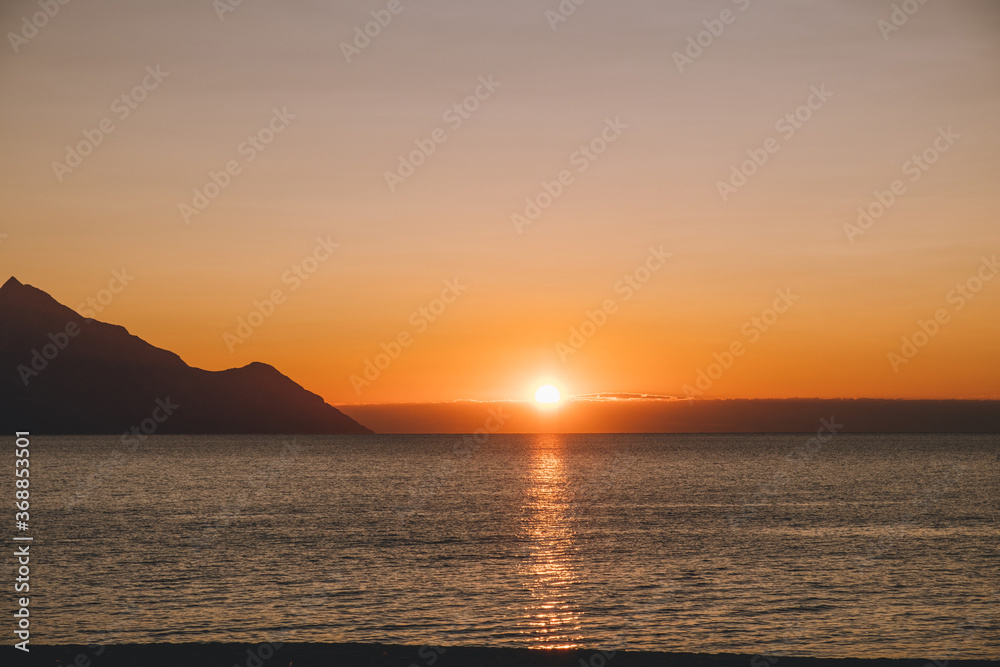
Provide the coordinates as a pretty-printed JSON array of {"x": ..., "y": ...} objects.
[
  {"x": 303, "y": 613},
  {"x": 294, "y": 277},
  {"x": 958, "y": 297},
  {"x": 581, "y": 159},
  {"x": 223, "y": 7},
  {"x": 562, "y": 12},
  {"x": 93, "y": 305},
  {"x": 429, "y": 655},
  {"x": 782, "y": 648},
  {"x": 257, "y": 484},
  {"x": 627, "y": 287},
  {"x": 420, "y": 320},
  {"x": 455, "y": 116},
  {"x": 129, "y": 443},
  {"x": 115, "y": 625},
  {"x": 928, "y": 495},
  {"x": 797, "y": 458},
  {"x": 363, "y": 35},
  {"x": 599, "y": 658},
  {"x": 786, "y": 126},
  {"x": 41, "y": 358},
  {"x": 714, "y": 28},
  {"x": 979, "y": 622},
  {"x": 585, "y": 493},
  {"x": 918, "y": 165},
  {"x": 254, "y": 145},
  {"x": 121, "y": 108},
  {"x": 899, "y": 17},
  {"x": 753, "y": 329},
  {"x": 37, "y": 21},
  {"x": 461, "y": 451},
  {"x": 58, "y": 341}
]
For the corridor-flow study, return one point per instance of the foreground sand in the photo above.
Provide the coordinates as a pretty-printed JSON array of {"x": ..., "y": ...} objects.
[{"x": 377, "y": 655}]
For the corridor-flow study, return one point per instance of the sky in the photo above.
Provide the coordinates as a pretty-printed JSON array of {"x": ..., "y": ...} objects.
[{"x": 637, "y": 197}]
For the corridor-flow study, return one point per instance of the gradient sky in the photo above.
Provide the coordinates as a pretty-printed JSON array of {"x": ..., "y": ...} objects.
[{"x": 323, "y": 176}]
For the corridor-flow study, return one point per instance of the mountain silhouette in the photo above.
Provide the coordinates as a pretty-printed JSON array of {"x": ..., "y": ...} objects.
[{"x": 61, "y": 373}]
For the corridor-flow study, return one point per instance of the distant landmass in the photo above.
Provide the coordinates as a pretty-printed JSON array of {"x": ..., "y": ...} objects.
[
  {"x": 680, "y": 415},
  {"x": 61, "y": 373}
]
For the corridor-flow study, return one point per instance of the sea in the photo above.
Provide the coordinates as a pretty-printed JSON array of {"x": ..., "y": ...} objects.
[{"x": 840, "y": 545}]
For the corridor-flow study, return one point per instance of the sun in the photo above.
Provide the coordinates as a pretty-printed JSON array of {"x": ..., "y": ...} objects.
[{"x": 547, "y": 394}]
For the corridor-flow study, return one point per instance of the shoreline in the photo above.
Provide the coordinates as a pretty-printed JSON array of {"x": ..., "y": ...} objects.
[{"x": 394, "y": 655}]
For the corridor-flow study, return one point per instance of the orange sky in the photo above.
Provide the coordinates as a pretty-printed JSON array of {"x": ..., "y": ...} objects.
[{"x": 328, "y": 131}]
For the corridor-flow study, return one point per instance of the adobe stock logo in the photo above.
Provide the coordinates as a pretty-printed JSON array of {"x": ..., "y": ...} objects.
[
  {"x": 223, "y": 7},
  {"x": 959, "y": 297},
  {"x": 121, "y": 108},
  {"x": 420, "y": 320},
  {"x": 363, "y": 35},
  {"x": 899, "y": 17},
  {"x": 714, "y": 28},
  {"x": 455, "y": 116},
  {"x": 43, "y": 357},
  {"x": 97, "y": 303},
  {"x": 918, "y": 165},
  {"x": 787, "y": 126},
  {"x": 40, "y": 360},
  {"x": 562, "y": 13},
  {"x": 30, "y": 27},
  {"x": 753, "y": 329},
  {"x": 582, "y": 159},
  {"x": 249, "y": 150},
  {"x": 627, "y": 287},
  {"x": 295, "y": 276}
]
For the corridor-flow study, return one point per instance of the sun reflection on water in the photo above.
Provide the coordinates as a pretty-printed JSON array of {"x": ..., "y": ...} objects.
[{"x": 553, "y": 621}]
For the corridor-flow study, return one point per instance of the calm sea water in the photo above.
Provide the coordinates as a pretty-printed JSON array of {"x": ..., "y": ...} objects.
[{"x": 863, "y": 545}]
